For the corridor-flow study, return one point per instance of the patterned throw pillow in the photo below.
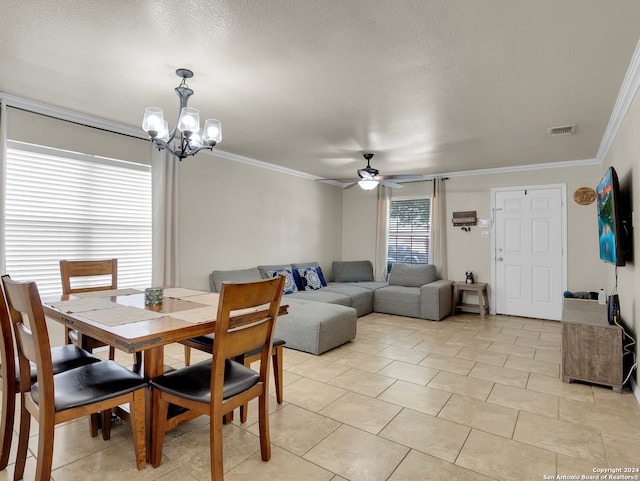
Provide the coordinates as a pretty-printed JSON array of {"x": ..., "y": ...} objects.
[
  {"x": 289, "y": 284},
  {"x": 310, "y": 279}
]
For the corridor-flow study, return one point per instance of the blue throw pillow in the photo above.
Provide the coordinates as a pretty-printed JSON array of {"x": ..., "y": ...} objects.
[
  {"x": 310, "y": 279},
  {"x": 321, "y": 276},
  {"x": 289, "y": 284},
  {"x": 297, "y": 280}
]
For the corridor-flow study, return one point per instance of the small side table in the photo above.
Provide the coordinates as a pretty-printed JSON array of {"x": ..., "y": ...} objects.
[{"x": 480, "y": 288}]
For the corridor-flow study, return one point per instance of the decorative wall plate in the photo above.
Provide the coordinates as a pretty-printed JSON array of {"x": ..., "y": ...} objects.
[{"x": 584, "y": 195}]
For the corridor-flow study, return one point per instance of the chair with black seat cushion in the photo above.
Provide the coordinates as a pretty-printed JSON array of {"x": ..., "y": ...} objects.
[
  {"x": 104, "y": 272},
  {"x": 216, "y": 387},
  {"x": 58, "y": 398},
  {"x": 63, "y": 358},
  {"x": 205, "y": 343}
]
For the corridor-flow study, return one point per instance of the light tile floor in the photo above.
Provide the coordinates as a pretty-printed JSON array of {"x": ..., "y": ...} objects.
[{"x": 408, "y": 400}]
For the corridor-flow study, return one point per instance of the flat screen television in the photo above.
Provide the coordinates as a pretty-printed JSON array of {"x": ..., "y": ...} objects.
[{"x": 610, "y": 227}]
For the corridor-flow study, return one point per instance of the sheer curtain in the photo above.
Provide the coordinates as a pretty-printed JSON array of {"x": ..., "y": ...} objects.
[
  {"x": 164, "y": 195},
  {"x": 439, "y": 228},
  {"x": 380, "y": 262},
  {"x": 3, "y": 171}
]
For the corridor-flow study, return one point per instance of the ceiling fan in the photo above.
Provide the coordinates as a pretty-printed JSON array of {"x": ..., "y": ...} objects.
[{"x": 369, "y": 177}]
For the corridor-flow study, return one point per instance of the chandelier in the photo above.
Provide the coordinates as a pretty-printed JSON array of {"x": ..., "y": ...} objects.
[{"x": 186, "y": 138}]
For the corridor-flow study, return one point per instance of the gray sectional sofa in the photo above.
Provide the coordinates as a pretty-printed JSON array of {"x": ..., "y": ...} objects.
[{"x": 323, "y": 315}]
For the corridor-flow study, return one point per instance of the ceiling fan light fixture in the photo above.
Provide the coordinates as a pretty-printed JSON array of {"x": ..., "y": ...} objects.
[{"x": 368, "y": 184}]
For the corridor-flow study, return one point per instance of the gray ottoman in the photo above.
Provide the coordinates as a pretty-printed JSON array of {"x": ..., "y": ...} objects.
[{"x": 316, "y": 327}]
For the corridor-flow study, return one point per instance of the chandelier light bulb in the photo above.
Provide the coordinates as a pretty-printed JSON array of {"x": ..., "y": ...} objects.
[
  {"x": 212, "y": 132},
  {"x": 153, "y": 121},
  {"x": 189, "y": 121},
  {"x": 164, "y": 133},
  {"x": 195, "y": 141}
]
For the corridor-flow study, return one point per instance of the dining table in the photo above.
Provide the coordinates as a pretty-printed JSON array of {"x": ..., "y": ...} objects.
[{"x": 121, "y": 318}]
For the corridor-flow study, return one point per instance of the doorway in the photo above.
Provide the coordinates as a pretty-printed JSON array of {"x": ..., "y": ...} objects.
[{"x": 529, "y": 254}]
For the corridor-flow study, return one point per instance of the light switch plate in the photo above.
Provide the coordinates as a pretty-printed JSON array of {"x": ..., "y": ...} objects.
[{"x": 484, "y": 234}]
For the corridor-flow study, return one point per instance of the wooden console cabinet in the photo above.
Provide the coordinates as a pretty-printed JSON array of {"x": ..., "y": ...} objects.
[{"x": 591, "y": 347}]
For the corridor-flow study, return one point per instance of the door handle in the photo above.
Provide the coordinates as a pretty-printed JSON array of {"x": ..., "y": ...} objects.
[{"x": 499, "y": 259}]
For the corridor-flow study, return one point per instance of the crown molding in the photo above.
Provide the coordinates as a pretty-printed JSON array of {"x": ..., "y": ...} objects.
[
  {"x": 517, "y": 168},
  {"x": 629, "y": 88},
  {"x": 71, "y": 116},
  {"x": 259, "y": 163}
]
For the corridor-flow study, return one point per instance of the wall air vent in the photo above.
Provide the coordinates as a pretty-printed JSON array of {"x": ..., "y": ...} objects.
[{"x": 564, "y": 130}]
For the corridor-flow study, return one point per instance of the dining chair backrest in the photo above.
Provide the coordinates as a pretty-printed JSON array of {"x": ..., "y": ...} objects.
[
  {"x": 233, "y": 339},
  {"x": 88, "y": 268},
  {"x": 7, "y": 351},
  {"x": 32, "y": 339},
  {"x": 104, "y": 274},
  {"x": 8, "y": 381}
]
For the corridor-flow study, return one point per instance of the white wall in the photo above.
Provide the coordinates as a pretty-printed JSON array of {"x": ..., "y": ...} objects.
[
  {"x": 41, "y": 130},
  {"x": 235, "y": 215},
  {"x": 624, "y": 156},
  {"x": 467, "y": 250}
]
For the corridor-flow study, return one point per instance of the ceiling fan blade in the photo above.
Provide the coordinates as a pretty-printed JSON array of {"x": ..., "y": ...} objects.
[
  {"x": 388, "y": 183},
  {"x": 352, "y": 179},
  {"x": 353, "y": 184},
  {"x": 400, "y": 177}
]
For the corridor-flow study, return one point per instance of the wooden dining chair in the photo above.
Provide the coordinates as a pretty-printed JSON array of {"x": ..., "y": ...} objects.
[
  {"x": 63, "y": 358},
  {"x": 76, "y": 269},
  {"x": 105, "y": 273},
  {"x": 105, "y": 269},
  {"x": 58, "y": 398},
  {"x": 217, "y": 386},
  {"x": 205, "y": 343}
]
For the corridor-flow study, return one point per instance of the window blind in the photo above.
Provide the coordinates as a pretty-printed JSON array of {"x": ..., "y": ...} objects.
[
  {"x": 65, "y": 205},
  {"x": 409, "y": 231}
]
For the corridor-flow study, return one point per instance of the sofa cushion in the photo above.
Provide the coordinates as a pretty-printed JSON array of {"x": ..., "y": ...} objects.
[
  {"x": 323, "y": 295},
  {"x": 290, "y": 285},
  {"x": 310, "y": 279},
  {"x": 315, "y": 265},
  {"x": 372, "y": 285},
  {"x": 398, "y": 300},
  {"x": 272, "y": 267},
  {"x": 412, "y": 275},
  {"x": 239, "y": 275},
  {"x": 361, "y": 297},
  {"x": 352, "y": 271}
]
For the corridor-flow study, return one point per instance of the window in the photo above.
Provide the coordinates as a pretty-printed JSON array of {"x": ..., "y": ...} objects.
[
  {"x": 409, "y": 231},
  {"x": 64, "y": 205}
]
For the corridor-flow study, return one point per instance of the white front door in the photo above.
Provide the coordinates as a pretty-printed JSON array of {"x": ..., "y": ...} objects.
[{"x": 529, "y": 251}]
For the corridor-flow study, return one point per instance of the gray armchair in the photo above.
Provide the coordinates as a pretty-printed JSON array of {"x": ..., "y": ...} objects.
[{"x": 414, "y": 291}]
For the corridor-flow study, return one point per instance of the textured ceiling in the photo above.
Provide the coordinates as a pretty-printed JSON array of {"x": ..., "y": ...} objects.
[{"x": 428, "y": 86}]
